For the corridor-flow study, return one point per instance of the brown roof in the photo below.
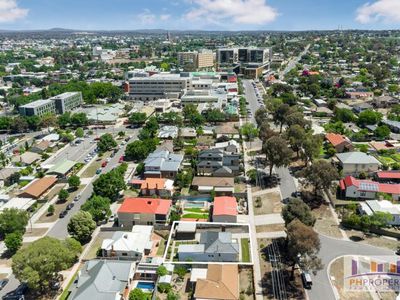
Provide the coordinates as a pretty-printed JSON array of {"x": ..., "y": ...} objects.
[
  {"x": 213, "y": 181},
  {"x": 222, "y": 282},
  {"x": 39, "y": 187}
]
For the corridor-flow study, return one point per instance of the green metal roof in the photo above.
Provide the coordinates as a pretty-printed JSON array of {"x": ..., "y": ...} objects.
[{"x": 62, "y": 168}]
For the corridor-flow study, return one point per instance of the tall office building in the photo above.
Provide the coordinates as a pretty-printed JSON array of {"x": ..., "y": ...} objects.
[
  {"x": 38, "y": 108},
  {"x": 193, "y": 60},
  {"x": 67, "y": 101},
  {"x": 249, "y": 61}
]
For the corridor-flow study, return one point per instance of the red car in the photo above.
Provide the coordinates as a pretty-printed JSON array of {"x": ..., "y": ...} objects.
[
  {"x": 121, "y": 159},
  {"x": 104, "y": 164}
]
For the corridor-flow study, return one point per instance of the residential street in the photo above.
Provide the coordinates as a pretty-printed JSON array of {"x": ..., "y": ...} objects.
[{"x": 330, "y": 249}]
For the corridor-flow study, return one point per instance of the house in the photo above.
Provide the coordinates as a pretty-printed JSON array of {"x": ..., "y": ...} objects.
[
  {"x": 17, "y": 203},
  {"x": 384, "y": 176},
  {"x": 26, "y": 158},
  {"x": 358, "y": 108},
  {"x": 212, "y": 247},
  {"x": 231, "y": 146},
  {"x": 367, "y": 189},
  {"x": 162, "y": 164},
  {"x": 225, "y": 209},
  {"x": 143, "y": 211},
  {"x": 385, "y": 145},
  {"x": 339, "y": 142},
  {"x": 129, "y": 245},
  {"x": 217, "y": 162},
  {"x": 62, "y": 168},
  {"x": 385, "y": 101},
  {"x": 220, "y": 283},
  {"x": 220, "y": 185},
  {"x": 6, "y": 174},
  {"x": 40, "y": 147},
  {"x": 371, "y": 207},
  {"x": 154, "y": 186},
  {"x": 38, "y": 188},
  {"x": 168, "y": 132},
  {"x": 356, "y": 162},
  {"x": 188, "y": 133},
  {"x": 393, "y": 125},
  {"x": 185, "y": 231},
  {"x": 358, "y": 94},
  {"x": 103, "y": 279}
]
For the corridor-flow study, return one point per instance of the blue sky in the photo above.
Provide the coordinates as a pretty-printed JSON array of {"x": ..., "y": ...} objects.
[{"x": 200, "y": 14}]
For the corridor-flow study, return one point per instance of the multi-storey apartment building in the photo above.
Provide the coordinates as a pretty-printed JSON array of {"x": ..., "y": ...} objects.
[
  {"x": 67, "y": 101},
  {"x": 38, "y": 108}
]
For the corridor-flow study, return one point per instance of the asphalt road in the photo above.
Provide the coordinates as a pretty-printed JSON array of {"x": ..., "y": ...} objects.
[
  {"x": 292, "y": 63},
  {"x": 251, "y": 98},
  {"x": 287, "y": 185},
  {"x": 330, "y": 249}
]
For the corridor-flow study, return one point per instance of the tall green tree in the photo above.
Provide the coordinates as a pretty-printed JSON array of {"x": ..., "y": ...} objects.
[
  {"x": 98, "y": 207},
  {"x": 13, "y": 220},
  {"x": 320, "y": 175},
  {"x": 106, "y": 142},
  {"x": 297, "y": 209},
  {"x": 277, "y": 153},
  {"x": 81, "y": 226}
]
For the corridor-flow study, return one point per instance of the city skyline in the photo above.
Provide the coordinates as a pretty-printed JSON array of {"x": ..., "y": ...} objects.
[{"x": 200, "y": 14}]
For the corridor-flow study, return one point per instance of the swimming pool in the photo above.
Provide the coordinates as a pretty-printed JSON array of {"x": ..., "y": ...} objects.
[
  {"x": 199, "y": 204},
  {"x": 145, "y": 285}
]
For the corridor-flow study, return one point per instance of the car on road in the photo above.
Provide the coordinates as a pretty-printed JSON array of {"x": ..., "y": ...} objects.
[
  {"x": 70, "y": 206},
  {"x": 98, "y": 171},
  {"x": 77, "y": 198},
  {"x": 3, "y": 283},
  {"x": 398, "y": 251},
  {"x": 296, "y": 194},
  {"x": 307, "y": 281},
  {"x": 112, "y": 154},
  {"x": 18, "y": 293},
  {"x": 121, "y": 159},
  {"x": 108, "y": 159},
  {"x": 104, "y": 164},
  {"x": 111, "y": 218},
  {"x": 63, "y": 214}
]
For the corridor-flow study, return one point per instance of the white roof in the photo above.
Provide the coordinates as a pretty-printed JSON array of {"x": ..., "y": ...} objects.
[
  {"x": 165, "y": 279},
  {"x": 382, "y": 206},
  {"x": 18, "y": 203},
  {"x": 186, "y": 227},
  {"x": 138, "y": 240},
  {"x": 198, "y": 274},
  {"x": 356, "y": 158}
]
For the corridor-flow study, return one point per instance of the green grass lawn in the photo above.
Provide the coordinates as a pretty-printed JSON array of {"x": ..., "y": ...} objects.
[
  {"x": 195, "y": 216},
  {"x": 65, "y": 293},
  {"x": 196, "y": 210},
  {"x": 244, "y": 243},
  {"x": 386, "y": 160},
  {"x": 161, "y": 247},
  {"x": 396, "y": 157}
]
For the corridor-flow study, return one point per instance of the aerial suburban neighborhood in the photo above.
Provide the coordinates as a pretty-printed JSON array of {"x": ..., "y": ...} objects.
[{"x": 219, "y": 163}]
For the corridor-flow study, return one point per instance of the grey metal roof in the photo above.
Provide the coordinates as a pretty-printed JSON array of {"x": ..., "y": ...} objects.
[
  {"x": 102, "y": 280},
  {"x": 356, "y": 158}
]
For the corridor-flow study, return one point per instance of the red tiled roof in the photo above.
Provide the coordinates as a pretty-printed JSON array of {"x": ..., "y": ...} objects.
[
  {"x": 136, "y": 181},
  {"x": 380, "y": 187},
  {"x": 334, "y": 138},
  {"x": 389, "y": 188},
  {"x": 342, "y": 185},
  {"x": 145, "y": 206},
  {"x": 225, "y": 206},
  {"x": 389, "y": 175},
  {"x": 350, "y": 180}
]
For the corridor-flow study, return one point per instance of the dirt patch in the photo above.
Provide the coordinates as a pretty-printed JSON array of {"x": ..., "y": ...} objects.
[
  {"x": 268, "y": 203},
  {"x": 35, "y": 232},
  {"x": 96, "y": 244},
  {"x": 270, "y": 228},
  {"x": 373, "y": 240},
  {"x": 246, "y": 284},
  {"x": 325, "y": 222}
]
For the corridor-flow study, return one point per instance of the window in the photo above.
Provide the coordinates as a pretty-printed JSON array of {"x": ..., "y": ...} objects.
[
  {"x": 124, "y": 254},
  {"x": 363, "y": 194}
]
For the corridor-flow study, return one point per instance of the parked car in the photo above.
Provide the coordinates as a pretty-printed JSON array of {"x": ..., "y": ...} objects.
[
  {"x": 18, "y": 293},
  {"x": 98, "y": 171},
  {"x": 77, "y": 198},
  {"x": 3, "y": 283},
  {"x": 69, "y": 206},
  {"x": 63, "y": 214},
  {"x": 398, "y": 251},
  {"x": 296, "y": 194},
  {"x": 111, "y": 218},
  {"x": 307, "y": 281},
  {"x": 108, "y": 159},
  {"x": 103, "y": 164},
  {"x": 121, "y": 159}
]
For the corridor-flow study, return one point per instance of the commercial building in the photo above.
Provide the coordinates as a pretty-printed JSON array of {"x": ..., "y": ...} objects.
[
  {"x": 38, "y": 108},
  {"x": 249, "y": 61},
  {"x": 58, "y": 104},
  {"x": 193, "y": 60},
  {"x": 67, "y": 101},
  {"x": 158, "y": 86}
]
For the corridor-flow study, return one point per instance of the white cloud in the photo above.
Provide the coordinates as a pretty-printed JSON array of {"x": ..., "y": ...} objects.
[
  {"x": 9, "y": 11},
  {"x": 146, "y": 17},
  {"x": 252, "y": 12},
  {"x": 381, "y": 10},
  {"x": 165, "y": 17}
]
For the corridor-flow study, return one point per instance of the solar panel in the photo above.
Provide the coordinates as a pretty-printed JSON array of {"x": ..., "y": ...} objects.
[{"x": 366, "y": 186}]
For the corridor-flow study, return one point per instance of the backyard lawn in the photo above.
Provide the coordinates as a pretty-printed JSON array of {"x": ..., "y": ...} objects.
[
  {"x": 244, "y": 243},
  {"x": 195, "y": 216}
]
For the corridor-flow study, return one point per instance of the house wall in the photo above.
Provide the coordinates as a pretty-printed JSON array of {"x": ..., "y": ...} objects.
[
  {"x": 208, "y": 257},
  {"x": 127, "y": 219},
  {"x": 353, "y": 192},
  {"x": 225, "y": 219},
  {"x": 349, "y": 169},
  {"x": 131, "y": 255}
]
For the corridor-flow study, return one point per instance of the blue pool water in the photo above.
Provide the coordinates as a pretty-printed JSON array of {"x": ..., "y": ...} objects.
[
  {"x": 145, "y": 285},
  {"x": 194, "y": 204}
]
